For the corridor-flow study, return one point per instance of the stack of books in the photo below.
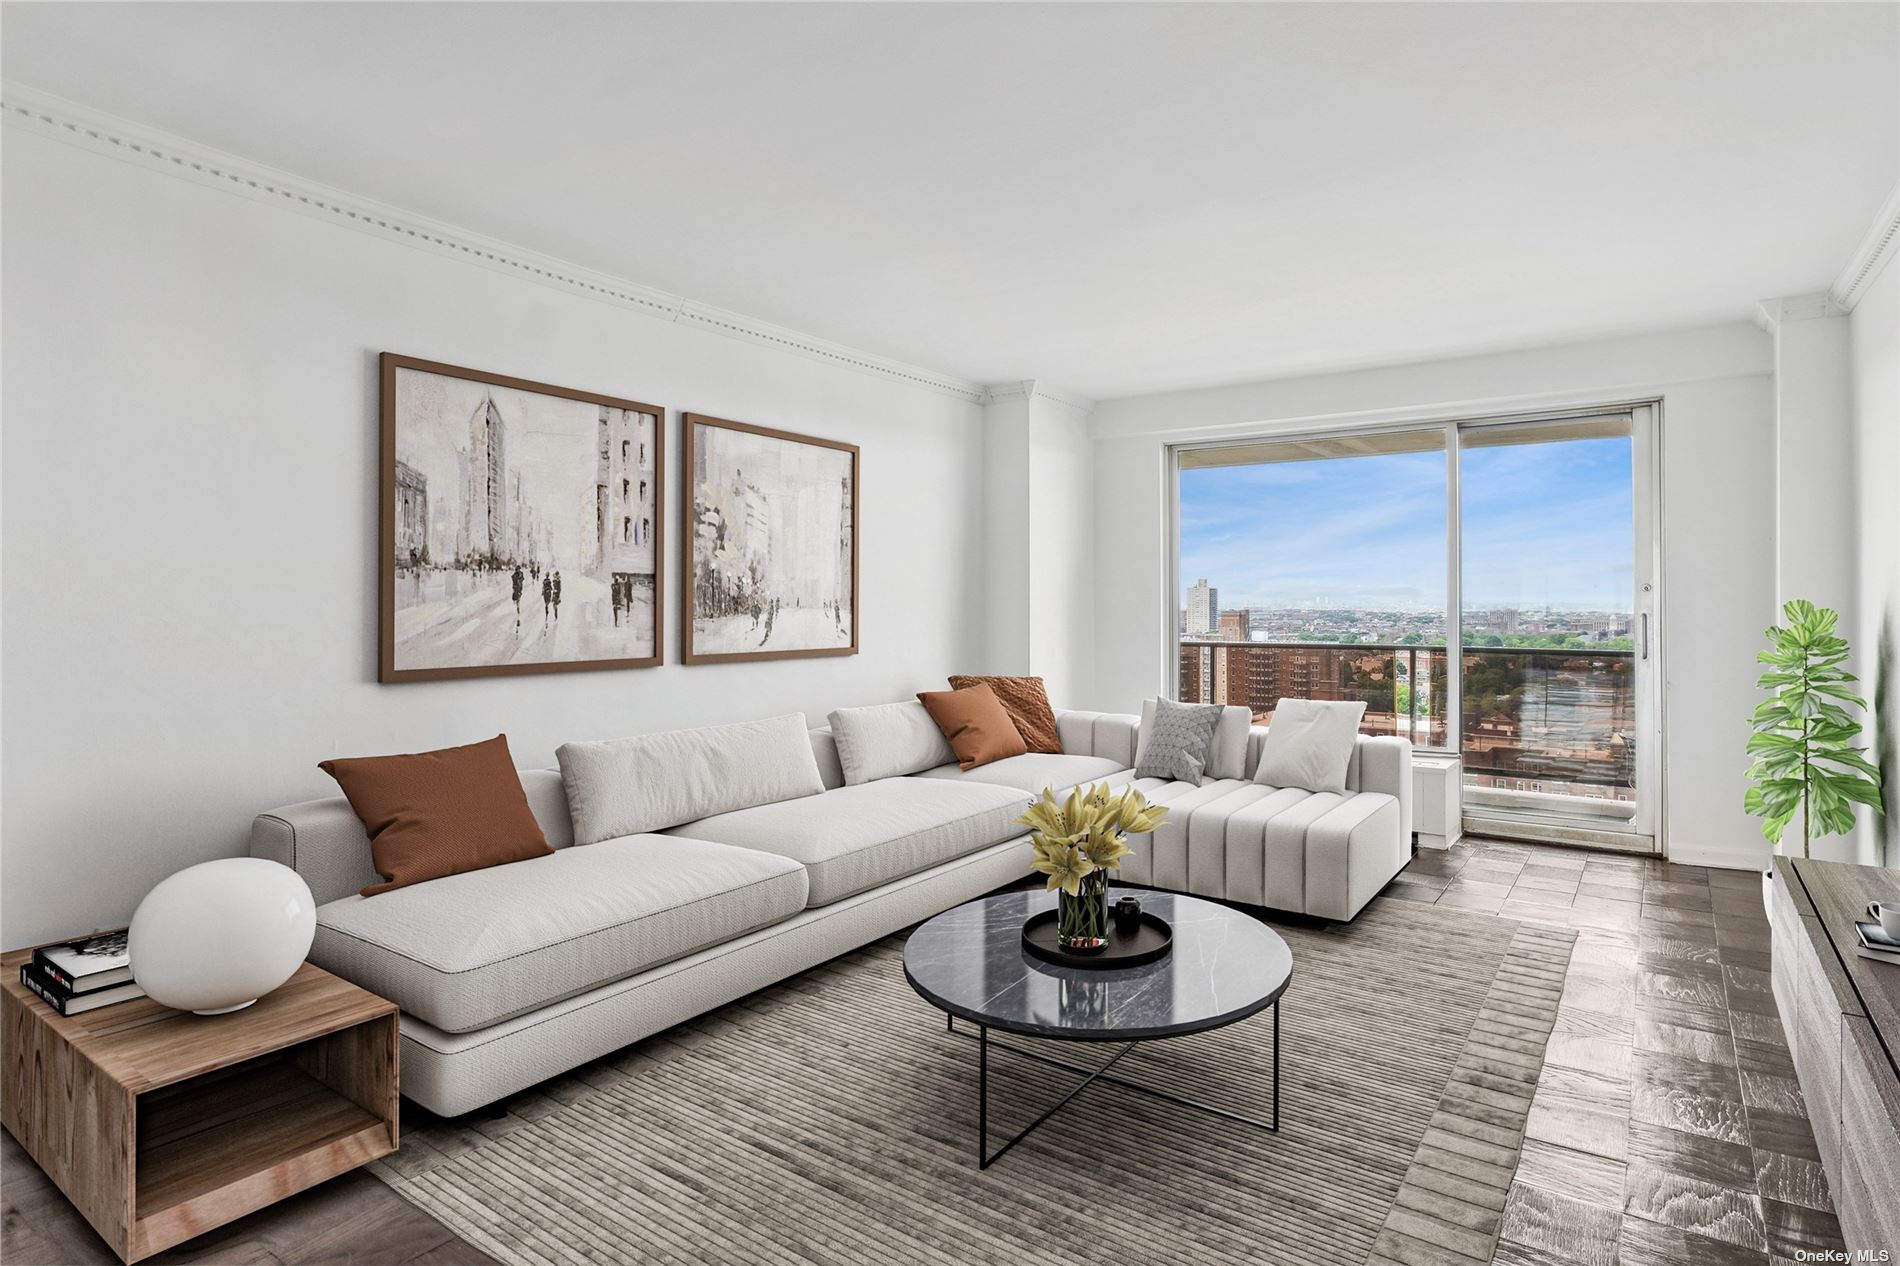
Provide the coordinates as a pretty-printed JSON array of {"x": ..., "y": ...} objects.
[
  {"x": 82, "y": 975},
  {"x": 1875, "y": 943}
]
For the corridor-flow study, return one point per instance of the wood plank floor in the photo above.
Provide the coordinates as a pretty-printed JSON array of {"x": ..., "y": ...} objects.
[{"x": 1666, "y": 1127}]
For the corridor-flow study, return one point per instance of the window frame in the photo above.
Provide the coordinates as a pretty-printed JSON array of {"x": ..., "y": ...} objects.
[{"x": 1451, "y": 426}]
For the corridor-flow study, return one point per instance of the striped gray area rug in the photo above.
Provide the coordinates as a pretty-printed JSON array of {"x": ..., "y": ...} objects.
[{"x": 832, "y": 1119}]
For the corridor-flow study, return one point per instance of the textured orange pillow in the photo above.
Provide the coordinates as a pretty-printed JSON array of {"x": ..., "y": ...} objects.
[
  {"x": 1027, "y": 703},
  {"x": 974, "y": 721},
  {"x": 432, "y": 814}
]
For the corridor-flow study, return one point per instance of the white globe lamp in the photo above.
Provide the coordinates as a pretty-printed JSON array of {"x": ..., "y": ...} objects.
[{"x": 218, "y": 936}]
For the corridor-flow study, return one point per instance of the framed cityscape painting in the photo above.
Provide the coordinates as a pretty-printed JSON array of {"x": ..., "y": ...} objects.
[
  {"x": 772, "y": 521},
  {"x": 521, "y": 526}
]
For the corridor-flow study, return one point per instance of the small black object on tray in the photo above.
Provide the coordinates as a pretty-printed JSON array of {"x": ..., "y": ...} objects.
[{"x": 1149, "y": 941}]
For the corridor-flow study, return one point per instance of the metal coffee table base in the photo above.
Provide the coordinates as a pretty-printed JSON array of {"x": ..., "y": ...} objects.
[{"x": 986, "y": 1158}]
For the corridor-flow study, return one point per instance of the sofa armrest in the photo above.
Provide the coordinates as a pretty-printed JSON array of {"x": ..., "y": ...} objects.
[
  {"x": 323, "y": 841},
  {"x": 1108, "y": 734},
  {"x": 1385, "y": 764}
]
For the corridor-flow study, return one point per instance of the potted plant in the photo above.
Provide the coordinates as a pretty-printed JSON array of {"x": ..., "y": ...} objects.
[
  {"x": 1806, "y": 758},
  {"x": 1078, "y": 841}
]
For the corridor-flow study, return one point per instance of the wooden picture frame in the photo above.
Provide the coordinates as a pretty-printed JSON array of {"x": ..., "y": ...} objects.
[
  {"x": 755, "y": 600},
  {"x": 531, "y": 546}
]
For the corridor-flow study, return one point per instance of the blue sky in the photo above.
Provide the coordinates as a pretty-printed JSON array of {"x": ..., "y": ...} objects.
[{"x": 1543, "y": 524}]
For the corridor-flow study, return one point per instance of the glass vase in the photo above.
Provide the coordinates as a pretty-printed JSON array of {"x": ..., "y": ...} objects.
[{"x": 1082, "y": 920}]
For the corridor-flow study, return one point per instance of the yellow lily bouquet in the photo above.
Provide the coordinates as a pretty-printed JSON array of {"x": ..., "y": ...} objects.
[{"x": 1078, "y": 841}]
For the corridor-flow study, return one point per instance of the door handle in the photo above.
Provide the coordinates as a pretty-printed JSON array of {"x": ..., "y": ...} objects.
[{"x": 1645, "y": 635}]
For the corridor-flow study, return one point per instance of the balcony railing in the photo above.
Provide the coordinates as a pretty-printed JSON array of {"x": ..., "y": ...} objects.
[{"x": 1555, "y": 721}]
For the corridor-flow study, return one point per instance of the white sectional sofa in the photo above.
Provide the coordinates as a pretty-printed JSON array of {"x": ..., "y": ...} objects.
[{"x": 511, "y": 975}]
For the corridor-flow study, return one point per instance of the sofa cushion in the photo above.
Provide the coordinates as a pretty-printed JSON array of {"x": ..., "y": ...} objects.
[
  {"x": 649, "y": 781},
  {"x": 1159, "y": 857},
  {"x": 858, "y": 837},
  {"x": 1111, "y": 734},
  {"x": 824, "y": 749},
  {"x": 1264, "y": 847},
  {"x": 1035, "y": 771},
  {"x": 1352, "y": 852},
  {"x": 470, "y": 950},
  {"x": 887, "y": 740}
]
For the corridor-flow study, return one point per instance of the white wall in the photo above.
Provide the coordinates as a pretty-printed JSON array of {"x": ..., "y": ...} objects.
[
  {"x": 1038, "y": 615},
  {"x": 190, "y": 510},
  {"x": 1718, "y": 482},
  {"x": 1814, "y": 443},
  {"x": 1003, "y": 617},
  {"x": 1061, "y": 545},
  {"x": 1874, "y": 330}
]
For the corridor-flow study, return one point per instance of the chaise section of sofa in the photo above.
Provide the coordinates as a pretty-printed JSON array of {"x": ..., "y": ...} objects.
[{"x": 1286, "y": 848}]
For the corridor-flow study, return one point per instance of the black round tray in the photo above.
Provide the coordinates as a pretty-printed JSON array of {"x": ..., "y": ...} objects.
[{"x": 1151, "y": 940}]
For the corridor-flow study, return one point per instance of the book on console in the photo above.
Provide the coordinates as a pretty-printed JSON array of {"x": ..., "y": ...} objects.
[
  {"x": 65, "y": 1001},
  {"x": 1875, "y": 944},
  {"x": 90, "y": 963}
]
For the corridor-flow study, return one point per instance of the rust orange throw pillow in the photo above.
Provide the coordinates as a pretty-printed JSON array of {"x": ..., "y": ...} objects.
[
  {"x": 974, "y": 721},
  {"x": 1027, "y": 703},
  {"x": 432, "y": 814}
]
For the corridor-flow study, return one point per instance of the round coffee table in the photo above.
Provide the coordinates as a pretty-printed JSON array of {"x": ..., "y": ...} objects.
[{"x": 1224, "y": 967}]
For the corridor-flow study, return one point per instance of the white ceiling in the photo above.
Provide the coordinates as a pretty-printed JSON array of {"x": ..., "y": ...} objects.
[{"x": 1112, "y": 198}]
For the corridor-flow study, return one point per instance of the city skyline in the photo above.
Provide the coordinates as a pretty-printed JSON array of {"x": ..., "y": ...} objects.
[{"x": 1369, "y": 532}]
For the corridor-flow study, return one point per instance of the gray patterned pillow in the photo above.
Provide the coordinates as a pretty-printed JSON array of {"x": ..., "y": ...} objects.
[{"x": 1176, "y": 745}]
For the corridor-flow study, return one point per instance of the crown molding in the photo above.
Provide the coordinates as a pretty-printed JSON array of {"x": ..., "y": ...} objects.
[
  {"x": 156, "y": 150},
  {"x": 1770, "y": 314},
  {"x": 1031, "y": 389},
  {"x": 1877, "y": 246}
]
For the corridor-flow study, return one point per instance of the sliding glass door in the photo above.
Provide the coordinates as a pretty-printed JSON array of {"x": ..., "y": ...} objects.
[
  {"x": 1555, "y": 627},
  {"x": 1486, "y": 587}
]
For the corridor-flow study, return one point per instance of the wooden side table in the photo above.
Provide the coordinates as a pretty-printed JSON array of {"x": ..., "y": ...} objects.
[{"x": 160, "y": 1125}]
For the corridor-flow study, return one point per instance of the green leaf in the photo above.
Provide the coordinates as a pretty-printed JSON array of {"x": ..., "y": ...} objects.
[
  {"x": 1839, "y": 692},
  {"x": 1773, "y": 712},
  {"x": 1853, "y": 759},
  {"x": 1866, "y": 793},
  {"x": 1774, "y": 825}
]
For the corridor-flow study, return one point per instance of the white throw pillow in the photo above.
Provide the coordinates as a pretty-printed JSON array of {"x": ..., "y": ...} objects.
[
  {"x": 1309, "y": 744},
  {"x": 652, "y": 781},
  {"x": 887, "y": 740}
]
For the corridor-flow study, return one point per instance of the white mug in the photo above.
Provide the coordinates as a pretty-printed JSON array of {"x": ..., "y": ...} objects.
[{"x": 1889, "y": 915}]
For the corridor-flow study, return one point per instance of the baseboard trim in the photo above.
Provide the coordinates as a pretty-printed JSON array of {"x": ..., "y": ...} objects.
[
  {"x": 1725, "y": 858},
  {"x": 1533, "y": 830}
]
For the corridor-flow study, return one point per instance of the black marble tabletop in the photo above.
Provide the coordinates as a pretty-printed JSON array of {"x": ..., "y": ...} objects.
[{"x": 1224, "y": 966}]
